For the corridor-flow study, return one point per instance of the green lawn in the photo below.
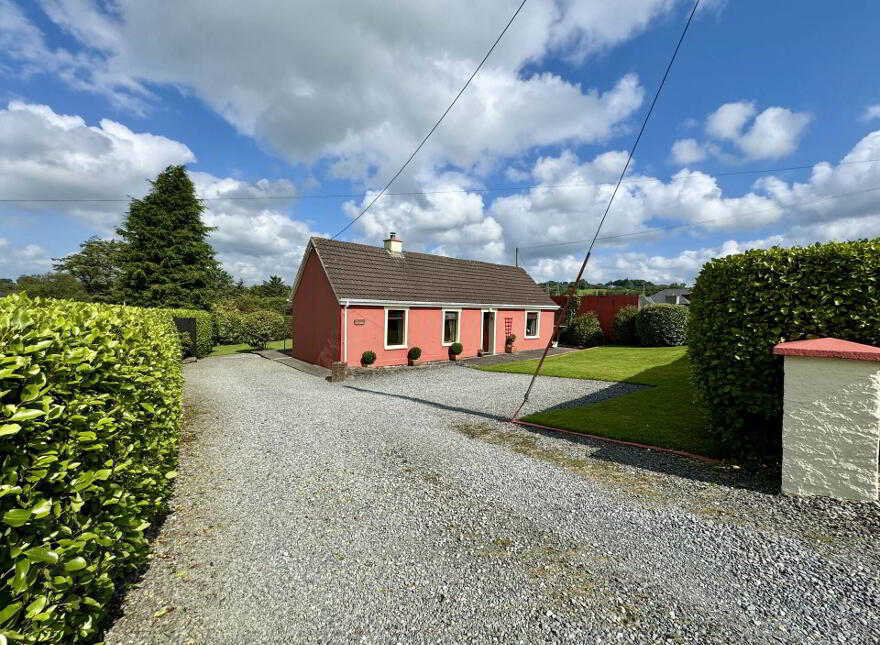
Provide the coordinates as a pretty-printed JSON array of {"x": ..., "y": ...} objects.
[
  {"x": 664, "y": 415},
  {"x": 223, "y": 350}
]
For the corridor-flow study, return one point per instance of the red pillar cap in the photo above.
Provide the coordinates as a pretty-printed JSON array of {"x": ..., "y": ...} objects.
[{"x": 828, "y": 348}]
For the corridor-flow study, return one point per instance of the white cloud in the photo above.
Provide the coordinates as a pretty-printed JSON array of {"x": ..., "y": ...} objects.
[
  {"x": 871, "y": 112},
  {"x": 687, "y": 151},
  {"x": 44, "y": 154},
  {"x": 355, "y": 82},
  {"x": 773, "y": 133},
  {"x": 15, "y": 260}
]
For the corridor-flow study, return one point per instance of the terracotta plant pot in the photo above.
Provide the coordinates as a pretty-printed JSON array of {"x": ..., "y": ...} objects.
[
  {"x": 453, "y": 357},
  {"x": 510, "y": 349},
  {"x": 414, "y": 363}
]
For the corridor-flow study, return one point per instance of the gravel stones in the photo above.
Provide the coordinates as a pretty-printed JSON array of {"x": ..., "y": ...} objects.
[{"x": 401, "y": 509}]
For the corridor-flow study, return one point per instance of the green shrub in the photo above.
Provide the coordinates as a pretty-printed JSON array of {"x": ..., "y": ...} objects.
[
  {"x": 510, "y": 340},
  {"x": 585, "y": 331},
  {"x": 743, "y": 305},
  {"x": 455, "y": 349},
  {"x": 662, "y": 325},
  {"x": 625, "y": 325},
  {"x": 204, "y": 328},
  {"x": 368, "y": 358},
  {"x": 228, "y": 325},
  {"x": 262, "y": 326},
  {"x": 414, "y": 353},
  {"x": 90, "y": 407}
]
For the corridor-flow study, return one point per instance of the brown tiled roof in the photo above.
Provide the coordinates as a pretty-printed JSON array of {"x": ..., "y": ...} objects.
[{"x": 360, "y": 272}]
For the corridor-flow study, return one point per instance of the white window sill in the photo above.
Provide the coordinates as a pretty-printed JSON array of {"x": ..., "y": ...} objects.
[{"x": 395, "y": 346}]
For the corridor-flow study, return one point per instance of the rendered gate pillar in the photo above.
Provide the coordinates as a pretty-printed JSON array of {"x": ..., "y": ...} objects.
[{"x": 831, "y": 418}]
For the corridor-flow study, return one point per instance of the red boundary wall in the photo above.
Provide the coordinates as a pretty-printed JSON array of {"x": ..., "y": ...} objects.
[{"x": 606, "y": 307}]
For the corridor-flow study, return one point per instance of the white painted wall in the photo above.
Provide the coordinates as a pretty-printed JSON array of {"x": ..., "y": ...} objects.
[{"x": 831, "y": 428}]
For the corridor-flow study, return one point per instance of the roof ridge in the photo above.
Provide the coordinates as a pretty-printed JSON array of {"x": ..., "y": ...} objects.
[{"x": 431, "y": 255}]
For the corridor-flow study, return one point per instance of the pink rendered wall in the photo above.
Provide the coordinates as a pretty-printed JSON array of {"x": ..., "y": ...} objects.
[
  {"x": 518, "y": 322},
  {"x": 316, "y": 323},
  {"x": 425, "y": 330}
]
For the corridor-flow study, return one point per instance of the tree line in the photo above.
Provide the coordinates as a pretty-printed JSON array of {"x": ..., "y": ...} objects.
[{"x": 161, "y": 259}]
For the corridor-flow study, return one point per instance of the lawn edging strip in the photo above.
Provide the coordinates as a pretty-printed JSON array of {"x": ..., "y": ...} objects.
[{"x": 672, "y": 451}]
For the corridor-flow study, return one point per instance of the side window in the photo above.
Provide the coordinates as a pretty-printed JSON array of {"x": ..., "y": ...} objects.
[{"x": 532, "y": 324}]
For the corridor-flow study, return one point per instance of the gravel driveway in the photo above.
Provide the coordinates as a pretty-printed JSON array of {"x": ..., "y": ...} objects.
[{"x": 399, "y": 509}]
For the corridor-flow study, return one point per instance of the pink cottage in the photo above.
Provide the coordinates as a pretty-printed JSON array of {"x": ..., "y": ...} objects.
[{"x": 351, "y": 298}]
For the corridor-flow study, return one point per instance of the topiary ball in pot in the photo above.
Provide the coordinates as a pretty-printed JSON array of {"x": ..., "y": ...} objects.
[
  {"x": 414, "y": 354},
  {"x": 368, "y": 358},
  {"x": 454, "y": 350},
  {"x": 662, "y": 325}
]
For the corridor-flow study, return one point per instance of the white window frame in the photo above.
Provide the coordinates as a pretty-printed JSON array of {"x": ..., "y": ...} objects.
[
  {"x": 443, "y": 327},
  {"x": 405, "y": 311},
  {"x": 526, "y": 323}
]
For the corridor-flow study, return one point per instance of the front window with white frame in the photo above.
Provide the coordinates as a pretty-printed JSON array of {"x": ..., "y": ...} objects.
[
  {"x": 395, "y": 328},
  {"x": 451, "y": 326},
  {"x": 533, "y": 324}
]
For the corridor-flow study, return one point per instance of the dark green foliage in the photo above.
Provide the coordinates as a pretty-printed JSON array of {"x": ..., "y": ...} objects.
[
  {"x": 96, "y": 266},
  {"x": 168, "y": 261},
  {"x": 585, "y": 331},
  {"x": 662, "y": 325},
  {"x": 743, "y": 305},
  {"x": 91, "y": 408},
  {"x": 625, "y": 325},
  {"x": 274, "y": 287},
  {"x": 510, "y": 340},
  {"x": 52, "y": 285},
  {"x": 368, "y": 358},
  {"x": 455, "y": 349},
  {"x": 414, "y": 353},
  {"x": 259, "y": 327},
  {"x": 205, "y": 340}
]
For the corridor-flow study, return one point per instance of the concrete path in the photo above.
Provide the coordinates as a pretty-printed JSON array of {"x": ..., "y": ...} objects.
[
  {"x": 400, "y": 509},
  {"x": 495, "y": 359}
]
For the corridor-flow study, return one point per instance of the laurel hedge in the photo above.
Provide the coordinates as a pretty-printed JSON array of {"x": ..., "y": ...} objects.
[
  {"x": 742, "y": 305},
  {"x": 585, "y": 330},
  {"x": 204, "y": 328},
  {"x": 90, "y": 408},
  {"x": 625, "y": 325},
  {"x": 662, "y": 325}
]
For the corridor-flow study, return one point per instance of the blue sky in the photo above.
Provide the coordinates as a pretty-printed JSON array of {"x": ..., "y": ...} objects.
[{"x": 329, "y": 98}]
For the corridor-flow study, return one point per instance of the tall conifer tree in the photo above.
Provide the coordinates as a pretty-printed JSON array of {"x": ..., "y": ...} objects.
[{"x": 168, "y": 261}]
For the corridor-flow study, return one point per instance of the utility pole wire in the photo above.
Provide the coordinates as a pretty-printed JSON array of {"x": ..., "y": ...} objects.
[
  {"x": 436, "y": 125},
  {"x": 573, "y": 286}
]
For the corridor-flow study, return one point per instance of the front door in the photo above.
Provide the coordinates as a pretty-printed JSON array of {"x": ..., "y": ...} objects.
[{"x": 488, "y": 332}]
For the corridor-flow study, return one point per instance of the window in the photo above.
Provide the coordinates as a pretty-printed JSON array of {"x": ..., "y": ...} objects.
[
  {"x": 450, "y": 326},
  {"x": 532, "y": 324},
  {"x": 395, "y": 328}
]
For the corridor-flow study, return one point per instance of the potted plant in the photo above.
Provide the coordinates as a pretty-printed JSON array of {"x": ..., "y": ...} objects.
[
  {"x": 454, "y": 350},
  {"x": 509, "y": 346},
  {"x": 368, "y": 358},
  {"x": 413, "y": 356}
]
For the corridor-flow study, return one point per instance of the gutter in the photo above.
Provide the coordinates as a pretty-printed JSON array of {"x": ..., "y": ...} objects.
[{"x": 462, "y": 305}]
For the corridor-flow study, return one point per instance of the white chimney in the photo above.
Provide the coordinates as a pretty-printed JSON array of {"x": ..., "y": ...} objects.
[{"x": 393, "y": 244}]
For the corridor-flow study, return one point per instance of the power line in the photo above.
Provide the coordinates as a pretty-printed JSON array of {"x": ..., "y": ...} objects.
[
  {"x": 644, "y": 180},
  {"x": 632, "y": 152},
  {"x": 436, "y": 125},
  {"x": 655, "y": 229}
]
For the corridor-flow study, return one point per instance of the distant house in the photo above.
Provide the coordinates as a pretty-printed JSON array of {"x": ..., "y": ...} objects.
[
  {"x": 350, "y": 298},
  {"x": 670, "y": 297}
]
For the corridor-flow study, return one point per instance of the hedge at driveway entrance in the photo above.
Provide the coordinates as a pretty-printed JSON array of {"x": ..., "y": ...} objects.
[
  {"x": 90, "y": 408},
  {"x": 742, "y": 305}
]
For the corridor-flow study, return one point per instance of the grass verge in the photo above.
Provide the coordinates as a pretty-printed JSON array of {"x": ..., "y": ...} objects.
[
  {"x": 664, "y": 415},
  {"x": 223, "y": 350}
]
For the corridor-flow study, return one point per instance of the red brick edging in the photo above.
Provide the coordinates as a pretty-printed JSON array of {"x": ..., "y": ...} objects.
[{"x": 673, "y": 451}]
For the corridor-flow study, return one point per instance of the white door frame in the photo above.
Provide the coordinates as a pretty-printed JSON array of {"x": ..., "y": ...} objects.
[{"x": 483, "y": 313}]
